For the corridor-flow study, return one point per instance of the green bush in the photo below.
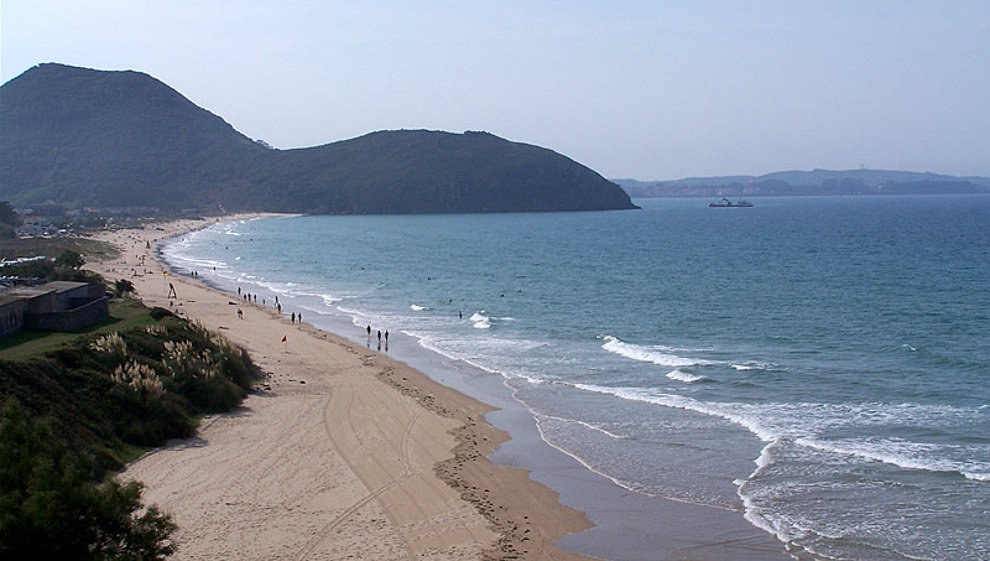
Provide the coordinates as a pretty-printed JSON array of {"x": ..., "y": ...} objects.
[
  {"x": 122, "y": 287},
  {"x": 51, "y": 507},
  {"x": 74, "y": 414},
  {"x": 71, "y": 259},
  {"x": 138, "y": 387}
]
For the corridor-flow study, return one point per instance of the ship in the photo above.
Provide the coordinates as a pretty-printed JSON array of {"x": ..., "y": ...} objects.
[{"x": 726, "y": 203}]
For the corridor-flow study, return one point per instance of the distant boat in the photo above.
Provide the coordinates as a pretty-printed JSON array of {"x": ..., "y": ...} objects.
[{"x": 726, "y": 203}]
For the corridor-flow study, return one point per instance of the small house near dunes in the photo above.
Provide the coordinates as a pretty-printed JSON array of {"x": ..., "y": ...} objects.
[{"x": 53, "y": 306}]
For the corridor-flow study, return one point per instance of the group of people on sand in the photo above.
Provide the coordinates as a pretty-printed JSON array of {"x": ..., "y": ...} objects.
[
  {"x": 379, "y": 339},
  {"x": 253, "y": 299}
]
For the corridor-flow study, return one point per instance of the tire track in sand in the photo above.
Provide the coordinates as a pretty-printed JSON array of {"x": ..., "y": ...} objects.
[{"x": 404, "y": 462}]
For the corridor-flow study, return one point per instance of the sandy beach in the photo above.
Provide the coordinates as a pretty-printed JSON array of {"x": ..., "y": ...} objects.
[{"x": 341, "y": 453}]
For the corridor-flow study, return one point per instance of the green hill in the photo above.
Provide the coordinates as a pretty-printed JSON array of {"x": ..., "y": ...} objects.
[{"x": 83, "y": 137}]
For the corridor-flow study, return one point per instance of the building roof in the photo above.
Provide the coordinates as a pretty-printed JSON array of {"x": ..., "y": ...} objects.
[{"x": 28, "y": 292}]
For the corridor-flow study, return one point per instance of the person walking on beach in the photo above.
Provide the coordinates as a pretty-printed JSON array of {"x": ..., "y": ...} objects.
[
  {"x": 171, "y": 290},
  {"x": 293, "y": 320}
]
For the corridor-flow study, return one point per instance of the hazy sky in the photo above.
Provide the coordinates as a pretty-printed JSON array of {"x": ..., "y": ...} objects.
[{"x": 649, "y": 90}]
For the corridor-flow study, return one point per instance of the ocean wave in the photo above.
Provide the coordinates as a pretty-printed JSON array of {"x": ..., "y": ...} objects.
[
  {"x": 754, "y": 365},
  {"x": 804, "y": 423},
  {"x": 685, "y": 377},
  {"x": 329, "y": 300},
  {"x": 418, "y": 308},
  {"x": 654, "y": 354},
  {"x": 480, "y": 320},
  {"x": 591, "y": 426},
  {"x": 437, "y": 346},
  {"x": 904, "y": 454},
  {"x": 646, "y": 395}
]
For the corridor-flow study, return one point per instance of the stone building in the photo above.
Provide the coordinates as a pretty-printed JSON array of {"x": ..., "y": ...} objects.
[{"x": 53, "y": 306}]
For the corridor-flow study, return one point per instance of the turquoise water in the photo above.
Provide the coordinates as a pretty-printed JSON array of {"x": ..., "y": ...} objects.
[{"x": 820, "y": 364}]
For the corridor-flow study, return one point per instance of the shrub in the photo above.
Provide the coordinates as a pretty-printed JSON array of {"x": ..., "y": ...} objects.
[
  {"x": 122, "y": 287},
  {"x": 71, "y": 259},
  {"x": 52, "y": 508}
]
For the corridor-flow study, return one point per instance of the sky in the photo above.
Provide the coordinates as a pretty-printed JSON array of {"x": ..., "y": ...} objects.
[{"x": 633, "y": 89}]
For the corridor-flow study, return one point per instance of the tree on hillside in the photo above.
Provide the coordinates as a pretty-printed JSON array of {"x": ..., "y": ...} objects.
[
  {"x": 71, "y": 259},
  {"x": 9, "y": 220},
  {"x": 122, "y": 287},
  {"x": 8, "y": 215},
  {"x": 50, "y": 507}
]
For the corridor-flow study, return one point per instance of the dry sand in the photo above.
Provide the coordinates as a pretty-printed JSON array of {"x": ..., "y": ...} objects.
[{"x": 342, "y": 453}]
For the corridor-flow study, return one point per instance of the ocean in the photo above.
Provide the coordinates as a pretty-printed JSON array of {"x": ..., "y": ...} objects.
[{"x": 819, "y": 365}]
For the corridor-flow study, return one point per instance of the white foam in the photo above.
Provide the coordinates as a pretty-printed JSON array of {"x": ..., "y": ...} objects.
[
  {"x": 904, "y": 454},
  {"x": 584, "y": 424},
  {"x": 722, "y": 410},
  {"x": 754, "y": 365},
  {"x": 480, "y": 320},
  {"x": 418, "y": 308},
  {"x": 654, "y": 354},
  {"x": 803, "y": 423},
  {"x": 685, "y": 377}
]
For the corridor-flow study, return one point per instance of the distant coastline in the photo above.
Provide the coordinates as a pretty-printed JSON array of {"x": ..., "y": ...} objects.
[{"x": 860, "y": 182}]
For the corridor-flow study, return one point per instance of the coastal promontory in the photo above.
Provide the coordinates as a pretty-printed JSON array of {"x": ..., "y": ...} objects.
[{"x": 84, "y": 137}]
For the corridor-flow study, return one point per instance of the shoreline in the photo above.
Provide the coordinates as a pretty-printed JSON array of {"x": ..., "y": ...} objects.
[{"x": 511, "y": 515}]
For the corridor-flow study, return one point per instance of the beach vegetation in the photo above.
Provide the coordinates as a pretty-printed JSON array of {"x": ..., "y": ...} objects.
[
  {"x": 125, "y": 314},
  {"x": 53, "y": 247},
  {"x": 75, "y": 411},
  {"x": 70, "y": 258},
  {"x": 9, "y": 220},
  {"x": 52, "y": 259},
  {"x": 136, "y": 382},
  {"x": 122, "y": 287},
  {"x": 52, "y": 506}
]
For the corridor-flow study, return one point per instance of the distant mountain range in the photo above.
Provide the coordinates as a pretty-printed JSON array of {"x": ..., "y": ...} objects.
[
  {"x": 816, "y": 182},
  {"x": 83, "y": 137}
]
